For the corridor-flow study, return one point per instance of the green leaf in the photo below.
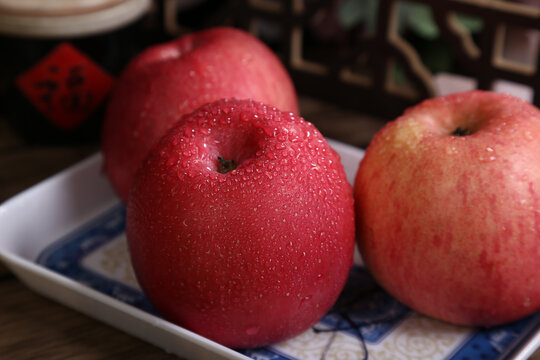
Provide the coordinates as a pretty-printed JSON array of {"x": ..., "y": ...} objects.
[
  {"x": 472, "y": 23},
  {"x": 411, "y": 16},
  {"x": 354, "y": 12},
  {"x": 418, "y": 18}
]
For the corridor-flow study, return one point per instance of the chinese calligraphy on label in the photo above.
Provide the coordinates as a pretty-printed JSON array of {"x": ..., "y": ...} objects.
[{"x": 66, "y": 86}]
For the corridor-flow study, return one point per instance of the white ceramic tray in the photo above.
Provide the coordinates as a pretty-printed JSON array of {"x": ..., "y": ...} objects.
[{"x": 64, "y": 238}]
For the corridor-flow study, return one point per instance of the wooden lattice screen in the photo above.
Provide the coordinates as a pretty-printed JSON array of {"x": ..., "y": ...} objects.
[{"x": 360, "y": 71}]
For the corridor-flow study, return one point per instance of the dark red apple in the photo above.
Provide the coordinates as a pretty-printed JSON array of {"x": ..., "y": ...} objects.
[
  {"x": 448, "y": 208},
  {"x": 169, "y": 80},
  {"x": 240, "y": 224}
]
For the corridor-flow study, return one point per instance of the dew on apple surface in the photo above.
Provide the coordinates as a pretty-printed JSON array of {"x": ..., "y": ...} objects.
[
  {"x": 451, "y": 150},
  {"x": 305, "y": 300},
  {"x": 252, "y": 330}
]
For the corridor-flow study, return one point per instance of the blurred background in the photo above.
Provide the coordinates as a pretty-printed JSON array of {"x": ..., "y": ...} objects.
[{"x": 376, "y": 57}]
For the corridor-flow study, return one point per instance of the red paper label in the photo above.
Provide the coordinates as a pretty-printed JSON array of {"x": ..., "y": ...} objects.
[{"x": 66, "y": 86}]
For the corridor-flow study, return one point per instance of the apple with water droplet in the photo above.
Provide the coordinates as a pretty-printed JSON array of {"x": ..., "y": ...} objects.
[
  {"x": 171, "y": 79},
  {"x": 240, "y": 224},
  {"x": 448, "y": 208}
]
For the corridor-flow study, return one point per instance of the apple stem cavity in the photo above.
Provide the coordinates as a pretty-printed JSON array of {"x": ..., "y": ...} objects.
[
  {"x": 461, "y": 131},
  {"x": 226, "y": 166}
]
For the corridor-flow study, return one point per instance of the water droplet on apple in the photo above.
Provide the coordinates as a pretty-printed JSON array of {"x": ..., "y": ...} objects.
[
  {"x": 270, "y": 155},
  {"x": 189, "y": 132},
  {"x": 181, "y": 173},
  {"x": 270, "y": 131},
  {"x": 245, "y": 117},
  {"x": 305, "y": 300},
  {"x": 451, "y": 150},
  {"x": 171, "y": 161},
  {"x": 252, "y": 330}
]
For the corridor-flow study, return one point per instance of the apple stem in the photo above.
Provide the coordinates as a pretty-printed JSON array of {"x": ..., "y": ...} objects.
[
  {"x": 226, "y": 165},
  {"x": 461, "y": 132}
]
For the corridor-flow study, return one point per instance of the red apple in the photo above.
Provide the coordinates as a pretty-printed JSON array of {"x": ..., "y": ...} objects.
[
  {"x": 448, "y": 208},
  {"x": 240, "y": 224},
  {"x": 172, "y": 79}
]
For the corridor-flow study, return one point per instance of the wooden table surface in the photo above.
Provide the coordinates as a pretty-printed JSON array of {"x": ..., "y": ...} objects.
[{"x": 33, "y": 327}]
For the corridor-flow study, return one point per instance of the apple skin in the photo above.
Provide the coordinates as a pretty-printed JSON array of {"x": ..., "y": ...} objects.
[
  {"x": 169, "y": 80},
  {"x": 252, "y": 256},
  {"x": 450, "y": 225}
]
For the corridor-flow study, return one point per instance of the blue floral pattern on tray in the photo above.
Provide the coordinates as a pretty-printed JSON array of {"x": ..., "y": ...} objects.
[{"x": 365, "y": 321}]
